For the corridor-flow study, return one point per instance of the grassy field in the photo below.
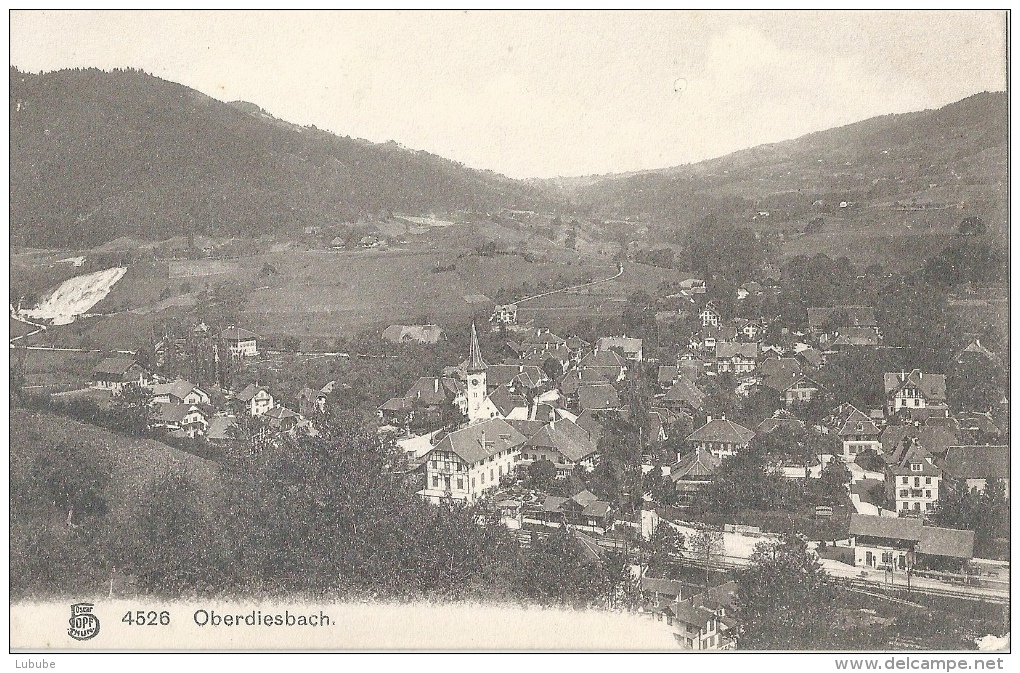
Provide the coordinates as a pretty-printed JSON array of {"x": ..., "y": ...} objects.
[
  {"x": 320, "y": 294},
  {"x": 52, "y": 368},
  {"x": 136, "y": 462}
]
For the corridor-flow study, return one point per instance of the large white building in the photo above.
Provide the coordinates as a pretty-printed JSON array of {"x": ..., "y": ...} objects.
[{"x": 469, "y": 462}]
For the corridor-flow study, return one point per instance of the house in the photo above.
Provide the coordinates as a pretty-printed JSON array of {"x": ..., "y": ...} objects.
[
  {"x": 780, "y": 419},
  {"x": 912, "y": 479},
  {"x": 254, "y": 399},
  {"x": 657, "y": 591},
  {"x": 241, "y": 342},
  {"x": 749, "y": 329},
  {"x": 504, "y": 314},
  {"x": 582, "y": 511},
  {"x": 811, "y": 357},
  {"x": 972, "y": 467},
  {"x": 691, "y": 473},
  {"x": 857, "y": 431},
  {"x": 751, "y": 289},
  {"x": 178, "y": 392},
  {"x": 598, "y": 397},
  {"x": 281, "y": 418},
  {"x": 314, "y": 401},
  {"x": 720, "y": 437},
  {"x": 786, "y": 377},
  {"x": 739, "y": 358},
  {"x": 114, "y": 373},
  {"x": 974, "y": 352},
  {"x": 337, "y": 243},
  {"x": 564, "y": 444},
  {"x": 937, "y": 439},
  {"x": 528, "y": 377},
  {"x": 914, "y": 390},
  {"x": 895, "y": 544},
  {"x": 852, "y": 337},
  {"x": 369, "y": 242},
  {"x": 469, "y": 462},
  {"x": 976, "y": 426},
  {"x": 709, "y": 317},
  {"x": 631, "y": 348},
  {"x": 588, "y": 422},
  {"x": 509, "y": 404},
  {"x": 187, "y": 419},
  {"x": 573, "y": 380},
  {"x": 836, "y": 319},
  {"x": 538, "y": 341},
  {"x": 710, "y": 336},
  {"x": 220, "y": 429},
  {"x": 694, "y": 285},
  {"x": 610, "y": 364},
  {"x": 423, "y": 334},
  {"x": 684, "y": 394},
  {"x": 667, "y": 376},
  {"x": 429, "y": 398},
  {"x": 703, "y": 621}
]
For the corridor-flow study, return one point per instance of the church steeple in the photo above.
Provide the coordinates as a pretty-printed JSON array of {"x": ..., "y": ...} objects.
[
  {"x": 477, "y": 389},
  {"x": 475, "y": 362}
]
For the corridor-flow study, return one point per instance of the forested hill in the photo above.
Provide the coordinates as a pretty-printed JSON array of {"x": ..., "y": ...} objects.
[
  {"x": 97, "y": 155},
  {"x": 956, "y": 154}
]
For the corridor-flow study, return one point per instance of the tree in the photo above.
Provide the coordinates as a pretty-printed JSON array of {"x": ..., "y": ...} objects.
[
  {"x": 666, "y": 552},
  {"x": 833, "y": 480},
  {"x": 174, "y": 549},
  {"x": 785, "y": 599},
  {"x": 971, "y": 225},
  {"x": 707, "y": 548},
  {"x": 552, "y": 368},
  {"x": 541, "y": 473},
  {"x": 74, "y": 476},
  {"x": 130, "y": 412}
]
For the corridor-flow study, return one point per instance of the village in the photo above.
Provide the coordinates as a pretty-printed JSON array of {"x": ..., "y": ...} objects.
[{"x": 530, "y": 431}]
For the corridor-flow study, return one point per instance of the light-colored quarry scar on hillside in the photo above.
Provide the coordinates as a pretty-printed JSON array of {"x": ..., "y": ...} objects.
[{"x": 76, "y": 296}]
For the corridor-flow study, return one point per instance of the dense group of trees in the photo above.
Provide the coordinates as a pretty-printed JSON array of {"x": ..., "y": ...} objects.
[
  {"x": 325, "y": 516},
  {"x": 985, "y": 513}
]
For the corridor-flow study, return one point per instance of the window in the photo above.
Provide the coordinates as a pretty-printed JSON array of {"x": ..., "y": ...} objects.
[
  {"x": 917, "y": 481},
  {"x": 435, "y": 481},
  {"x": 927, "y": 480},
  {"x": 472, "y": 482},
  {"x": 917, "y": 507},
  {"x": 927, "y": 493},
  {"x": 887, "y": 557},
  {"x": 903, "y": 492},
  {"x": 915, "y": 467},
  {"x": 483, "y": 477},
  {"x": 905, "y": 480},
  {"x": 460, "y": 483},
  {"x": 927, "y": 505},
  {"x": 492, "y": 476}
]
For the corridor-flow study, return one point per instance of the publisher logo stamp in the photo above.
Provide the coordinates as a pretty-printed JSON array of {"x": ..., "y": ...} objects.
[{"x": 84, "y": 624}]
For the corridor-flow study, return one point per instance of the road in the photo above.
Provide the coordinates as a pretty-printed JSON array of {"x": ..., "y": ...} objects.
[{"x": 572, "y": 287}]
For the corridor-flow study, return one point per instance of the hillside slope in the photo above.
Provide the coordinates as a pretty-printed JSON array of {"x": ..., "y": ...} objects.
[
  {"x": 97, "y": 155},
  {"x": 955, "y": 155}
]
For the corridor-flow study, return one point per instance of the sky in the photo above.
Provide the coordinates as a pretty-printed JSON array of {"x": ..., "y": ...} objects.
[{"x": 545, "y": 94}]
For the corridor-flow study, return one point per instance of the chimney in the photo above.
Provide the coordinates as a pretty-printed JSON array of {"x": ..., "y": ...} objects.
[
  {"x": 708, "y": 420},
  {"x": 436, "y": 382}
]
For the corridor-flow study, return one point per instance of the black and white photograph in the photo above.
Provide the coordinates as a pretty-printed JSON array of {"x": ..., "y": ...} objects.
[{"x": 481, "y": 331}]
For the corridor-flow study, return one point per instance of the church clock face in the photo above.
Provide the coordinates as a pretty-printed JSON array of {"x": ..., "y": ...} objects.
[{"x": 474, "y": 382}]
